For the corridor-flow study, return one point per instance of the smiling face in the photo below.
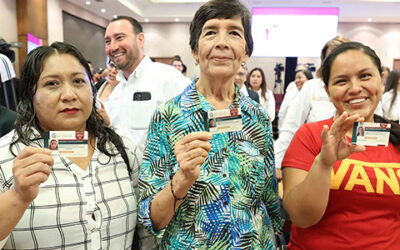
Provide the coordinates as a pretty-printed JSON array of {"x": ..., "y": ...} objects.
[
  {"x": 355, "y": 84},
  {"x": 300, "y": 79},
  {"x": 63, "y": 98},
  {"x": 255, "y": 80},
  {"x": 123, "y": 46},
  {"x": 112, "y": 72},
  {"x": 222, "y": 48}
]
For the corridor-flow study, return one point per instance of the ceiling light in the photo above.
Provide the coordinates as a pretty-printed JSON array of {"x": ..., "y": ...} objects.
[
  {"x": 88, "y": 2},
  {"x": 177, "y": 19},
  {"x": 115, "y": 16},
  {"x": 103, "y": 10},
  {"x": 146, "y": 20},
  {"x": 369, "y": 19}
]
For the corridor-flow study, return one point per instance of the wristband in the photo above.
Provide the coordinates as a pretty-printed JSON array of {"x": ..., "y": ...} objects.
[{"x": 175, "y": 198}]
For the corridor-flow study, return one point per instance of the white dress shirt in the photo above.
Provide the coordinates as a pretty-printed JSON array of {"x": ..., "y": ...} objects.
[
  {"x": 243, "y": 89},
  {"x": 290, "y": 95},
  {"x": 310, "y": 105},
  {"x": 394, "y": 112},
  {"x": 268, "y": 104},
  {"x": 132, "y": 117}
]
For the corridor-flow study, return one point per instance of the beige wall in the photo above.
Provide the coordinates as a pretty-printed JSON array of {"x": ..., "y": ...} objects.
[
  {"x": 169, "y": 39},
  {"x": 173, "y": 38},
  {"x": 384, "y": 38},
  {"x": 8, "y": 27},
  {"x": 54, "y": 21}
]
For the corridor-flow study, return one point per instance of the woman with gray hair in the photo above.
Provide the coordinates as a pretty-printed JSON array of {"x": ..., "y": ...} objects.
[{"x": 206, "y": 190}]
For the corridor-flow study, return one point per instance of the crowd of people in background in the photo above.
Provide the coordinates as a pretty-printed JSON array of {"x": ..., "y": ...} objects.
[{"x": 156, "y": 177}]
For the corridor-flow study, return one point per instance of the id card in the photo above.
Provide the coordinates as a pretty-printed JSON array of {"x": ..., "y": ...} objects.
[
  {"x": 67, "y": 143},
  {"x": 227, "y": 120},
  {"x": 371, "y": 134}
]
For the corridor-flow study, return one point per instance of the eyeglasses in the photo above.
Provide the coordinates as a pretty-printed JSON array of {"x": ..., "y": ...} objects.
[{"x": 112, "y": 65}]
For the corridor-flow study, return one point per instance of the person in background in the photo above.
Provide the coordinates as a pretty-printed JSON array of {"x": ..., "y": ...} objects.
[
  {"x": 143, "y": 84},
  {"x": 301, "y": 76},
  {"x": 177, "y": 63},
  {"x": 310, "y": 104},
  {"x": 9, "y": 84},
  {"x": 390, "y": 98},
  {"x": 7, "y": 116},
  {"x": 339, "y": 195},
  {"x": 99, "y": 77},
  {"x": 256, "y": 82},
  {"x": 240, "y": 78},
  {"x": 385, "y": 74},
  {"x": 104, "y": 97},
  {"x": 204, "y": 191},
  {"x": 107, "y": 88},
  {"x": 7, "y": 119},
  {"x": 55, "y": 202}
]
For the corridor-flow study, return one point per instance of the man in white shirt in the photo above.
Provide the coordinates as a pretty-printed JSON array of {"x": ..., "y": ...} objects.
[{"x": 143, "y": 84}]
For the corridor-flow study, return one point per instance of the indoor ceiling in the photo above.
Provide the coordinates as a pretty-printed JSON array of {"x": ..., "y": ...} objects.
[{"x": 183, "y": 10}]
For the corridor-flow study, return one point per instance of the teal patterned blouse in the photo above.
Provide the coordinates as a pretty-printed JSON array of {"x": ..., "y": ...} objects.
[{"x": 234, "y": 203}]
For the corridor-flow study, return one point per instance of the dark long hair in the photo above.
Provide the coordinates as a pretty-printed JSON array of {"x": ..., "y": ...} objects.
[
  {"x": 326, "y": 73},
  {"x": 392, "y": 83},
  {"x": 27, "y": 121},
  {"x": 263, "y": 82}
]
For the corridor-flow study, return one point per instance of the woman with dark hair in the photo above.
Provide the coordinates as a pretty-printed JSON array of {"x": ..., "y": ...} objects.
[
  {"x": 203, "y": 190},
  {"x": 339, "y": 195},
  {"x": 51, "y": 201},
  {"x": 256, "y": 82},
  {"x": 390, "y": 99},
  {"x": 302, "y": 75}
]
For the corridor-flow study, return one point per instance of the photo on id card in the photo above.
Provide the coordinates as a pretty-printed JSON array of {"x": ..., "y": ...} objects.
[
  {"x": 221, "y": 121},
  {"x": 371, "y": 134},
  {"x": 67, "y": 143}
]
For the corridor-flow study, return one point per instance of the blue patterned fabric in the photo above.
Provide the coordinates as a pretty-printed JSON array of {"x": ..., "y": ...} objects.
[{"x": 234, "y": 203}]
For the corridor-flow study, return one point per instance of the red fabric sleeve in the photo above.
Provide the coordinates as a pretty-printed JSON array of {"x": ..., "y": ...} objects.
[{"x": 305, "y": 145}]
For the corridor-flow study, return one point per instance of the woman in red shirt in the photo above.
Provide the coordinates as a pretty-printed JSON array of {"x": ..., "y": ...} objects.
[{"x": 339, "y": 195}]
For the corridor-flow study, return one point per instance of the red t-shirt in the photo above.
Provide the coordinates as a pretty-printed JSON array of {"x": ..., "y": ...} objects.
[{"x": 363, "y": 210}]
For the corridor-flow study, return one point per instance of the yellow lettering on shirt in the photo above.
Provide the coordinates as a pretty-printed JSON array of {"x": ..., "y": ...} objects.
[
  {"x": 390, "y": 180},
  {"x": 358, "y": 176},
  {"x": 337, "y": 178},
  {"x": 358, "y": 170}
]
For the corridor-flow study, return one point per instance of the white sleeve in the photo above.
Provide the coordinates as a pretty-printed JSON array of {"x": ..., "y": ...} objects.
[
  {"x": 174, "y": 85},
  {"x": 287, "y": 101},
  {"x": 271, "y": 105},
  {"x": 3, "y": 242},
  {"x": 296, "y": 116},
  {"x": 379, "y": 109},
  {"x": 386, "y": 99}
]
